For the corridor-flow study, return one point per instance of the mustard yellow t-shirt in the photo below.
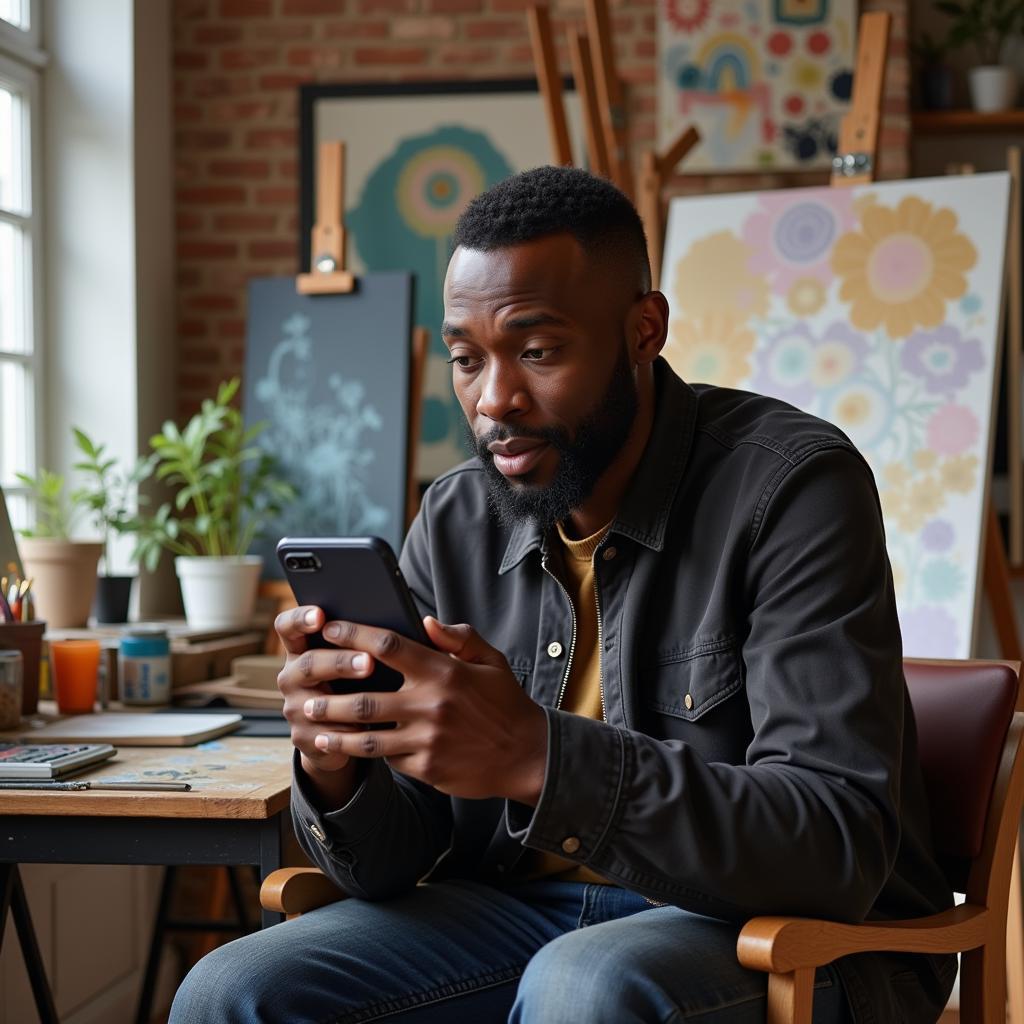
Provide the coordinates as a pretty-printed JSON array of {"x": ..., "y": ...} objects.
[{"x": 583, "y": 690}]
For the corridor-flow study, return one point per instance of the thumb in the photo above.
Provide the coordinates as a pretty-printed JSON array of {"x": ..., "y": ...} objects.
[{"x": 463, "y": 642}]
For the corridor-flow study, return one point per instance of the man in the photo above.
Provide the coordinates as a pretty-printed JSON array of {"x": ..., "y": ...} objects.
[{"x": 679, "y": 703}]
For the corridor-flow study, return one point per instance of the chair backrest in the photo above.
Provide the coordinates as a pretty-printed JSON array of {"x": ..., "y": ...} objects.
[{"x": 963, "y": 711}]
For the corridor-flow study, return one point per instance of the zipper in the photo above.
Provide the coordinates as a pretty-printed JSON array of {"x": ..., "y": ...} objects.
[
  {"x": 572, "y": 642},
  {"x": 600, "y": 640}
]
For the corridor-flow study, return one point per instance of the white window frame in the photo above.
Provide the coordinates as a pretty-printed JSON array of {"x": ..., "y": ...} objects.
[{"x": 20, "y": 64}]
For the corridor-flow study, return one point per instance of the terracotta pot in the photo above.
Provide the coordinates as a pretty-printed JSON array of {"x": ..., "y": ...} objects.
[
  {"x": 64, "y": 574},
  {"x": 26, "y": 637}
]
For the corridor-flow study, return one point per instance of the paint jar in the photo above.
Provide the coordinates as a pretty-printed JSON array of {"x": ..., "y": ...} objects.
[
  {"x": 144, "y": 667},
  {"x": 10, "y": 689}
]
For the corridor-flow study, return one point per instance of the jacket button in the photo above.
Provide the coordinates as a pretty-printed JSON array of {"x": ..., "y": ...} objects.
[
  {"x": 609, "y": 553},
  {"x": 688, "y": 701},
  {"x": 570, "y": 845},
  {"x": 554, "y": 649}
]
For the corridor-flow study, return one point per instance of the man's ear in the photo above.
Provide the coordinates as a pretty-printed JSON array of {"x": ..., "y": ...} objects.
[{"x": 650, "y": 327}]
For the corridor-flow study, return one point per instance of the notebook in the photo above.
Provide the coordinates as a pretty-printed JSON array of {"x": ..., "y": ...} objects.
[
  {"x": 137, "y": 730},
  {"x": 49, "y": 760}
]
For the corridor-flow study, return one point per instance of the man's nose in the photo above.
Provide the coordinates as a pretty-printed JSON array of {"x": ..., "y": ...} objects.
[{"x": 501, "y": 394}]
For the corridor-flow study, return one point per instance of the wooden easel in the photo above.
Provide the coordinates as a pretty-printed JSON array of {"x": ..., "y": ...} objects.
[{"x": 327, "y": 274}]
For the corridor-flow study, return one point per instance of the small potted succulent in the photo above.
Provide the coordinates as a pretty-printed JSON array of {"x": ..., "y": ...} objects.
[
  {"x": 225, "y": 491},
  {"x": 107, "y": 495},
  {"x": 987, "y": 24},
  {"x": 63, "y": 570}
]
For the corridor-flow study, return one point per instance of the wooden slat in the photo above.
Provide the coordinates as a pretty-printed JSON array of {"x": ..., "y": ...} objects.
[
  {"x": 1014, "y": 342},
  {"x": 586, "y": 87},
  {"x": 546, "y": 63},
  {"x": 610, "y": 94},
  {"x": 858, "y": 132},
  {"x": 328, "y": 234},
  {"x": 790, "y": 998}
]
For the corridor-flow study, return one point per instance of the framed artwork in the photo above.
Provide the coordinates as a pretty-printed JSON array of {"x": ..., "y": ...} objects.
[
  {"x": 765, "y": 81},
  {"x": 416, "y": 154},
  {"x": 877, "y": 308},
  {"x": 329, "y": 376}
]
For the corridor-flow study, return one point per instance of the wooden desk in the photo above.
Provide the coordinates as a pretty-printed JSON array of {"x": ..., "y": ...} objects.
[{"x": 236, "y": 814}]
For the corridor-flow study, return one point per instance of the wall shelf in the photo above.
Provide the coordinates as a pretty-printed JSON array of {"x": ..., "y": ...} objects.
[{"x": 937, "y": 122}]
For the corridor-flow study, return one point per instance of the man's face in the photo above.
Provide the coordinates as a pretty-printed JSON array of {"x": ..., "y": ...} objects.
[{"x": 541, "y": 369}]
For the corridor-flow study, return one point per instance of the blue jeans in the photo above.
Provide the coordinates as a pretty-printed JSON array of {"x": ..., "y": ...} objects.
[{"x": 544, "y": 952}]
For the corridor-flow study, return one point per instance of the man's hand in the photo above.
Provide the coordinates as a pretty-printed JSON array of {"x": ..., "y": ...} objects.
[{"x": 464, "y": 725}]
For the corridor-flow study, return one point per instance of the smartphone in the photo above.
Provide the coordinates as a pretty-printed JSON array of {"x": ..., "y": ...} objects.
[{"x": 356, "y": 579}]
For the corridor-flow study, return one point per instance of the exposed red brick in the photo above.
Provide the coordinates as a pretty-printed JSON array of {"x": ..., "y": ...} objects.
[
  {"x": 645, "y": 48},
  {"x": 305, "y": 7},
  {"x": 249, "y": 169},
  {"x": 517, "y": 55},
  {"x": 278, "y": 195},
  {"x": 504, "y": 6},
  {"x": 235, "y": 111},
  {"x": 386, "y": 6},
  {"x": 189, "y": 60},
  {"x": 214, "y": 35},
  {"x": 231, "y": 329},
  {"x": 198, "y": 138},
  {"x": 204, "y": 88},
  {"x": 271, "y": 138},
  {"x": 247, "y": 57},
  {"x": 247, "y": 221},
  {"x": 271, "y": 249},
  {"x": 391, "y": 55},
  {"x": 494, "y": 28},
  {"x": 192, "y": 328},
  {"x": 455, "y": 6},
  {"x": 280, "y": 80},
  {"x": 357, "y": 30},
  {"x": 187, "y": 112},
  {"x": 188, "y": 221},
  {"x": 212, "y": 302},
  {"x": 187, "y": 9},
  {"x": 422, "y": 28},
  {"x": 245, "y": 8},
  {"x": 202, "y": 383},
  {"x": 288, "y": 168},
  {"x": 315, "y": 56},
  {"x": 467, "y": 54},
  {"x": 209, "y": 194},
  {"x": 207, "y": 250},
  {"x": 281, "y": 30},
  {"x": 193, "y": 355}
]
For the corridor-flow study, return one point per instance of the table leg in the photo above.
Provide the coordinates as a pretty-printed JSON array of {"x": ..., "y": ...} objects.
[
  {"x": 156, "y": 945},
  {"x": 271, "y": 841},
  {"x": 13, "y": 896}
]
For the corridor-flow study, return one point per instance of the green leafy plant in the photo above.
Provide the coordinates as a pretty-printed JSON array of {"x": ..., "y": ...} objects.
[
  {"x": 108, "y": 491},
  {"x": 928, "y": 50},
  {"x": 985, "y": 23},
  {"x": 226, "y": 489},
  {"x": 55, "y": 514}
]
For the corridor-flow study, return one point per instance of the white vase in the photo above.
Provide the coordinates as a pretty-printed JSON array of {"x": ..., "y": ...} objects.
[
  {"x": 219, "y": 593},
  {"x": 992, "y": 88}
]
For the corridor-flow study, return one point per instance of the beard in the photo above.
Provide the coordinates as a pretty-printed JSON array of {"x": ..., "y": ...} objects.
[{"x": 584, "y": 455}]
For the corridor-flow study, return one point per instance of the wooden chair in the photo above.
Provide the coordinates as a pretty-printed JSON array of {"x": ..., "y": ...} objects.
[{"x": 970, "y": 739}]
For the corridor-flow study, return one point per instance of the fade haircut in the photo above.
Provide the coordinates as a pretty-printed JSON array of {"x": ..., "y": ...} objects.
[{"x": 553, "y": 201}]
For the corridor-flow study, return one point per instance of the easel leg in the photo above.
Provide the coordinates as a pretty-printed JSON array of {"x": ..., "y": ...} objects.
[
  {"x": 14, "y": 896},
  {"x": 156, "y": 943},
  {"x": 997, "y": 586}
]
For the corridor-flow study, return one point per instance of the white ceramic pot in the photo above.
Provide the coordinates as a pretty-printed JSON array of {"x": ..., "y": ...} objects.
[
  {"x": 219, "y": 593},
  {"x": 64, "y": 578},
  {"x": 992, "y": 88}
]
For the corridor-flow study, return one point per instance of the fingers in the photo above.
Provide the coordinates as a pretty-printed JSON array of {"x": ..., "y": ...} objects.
[
  {"x": 315, "y": 667},
  {"x": 294, "y": 625},
  {"x": 384, "y": 645},
  {"x": 462, "y": 641},
  {"x": 372, "y": 743},
  {"x": 357, "y": 708}
]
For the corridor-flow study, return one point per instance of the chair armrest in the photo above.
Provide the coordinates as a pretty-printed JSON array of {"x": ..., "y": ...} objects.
[
  {"x": 783, "y": 944},
  {"x": 297, "y": 890}
]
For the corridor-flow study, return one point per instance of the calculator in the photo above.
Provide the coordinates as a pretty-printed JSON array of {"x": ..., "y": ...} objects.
[{"x": 49, "y": 760}]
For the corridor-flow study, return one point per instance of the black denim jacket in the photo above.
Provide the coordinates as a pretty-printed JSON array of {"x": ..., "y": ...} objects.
[{"x": 759, "y": 754}]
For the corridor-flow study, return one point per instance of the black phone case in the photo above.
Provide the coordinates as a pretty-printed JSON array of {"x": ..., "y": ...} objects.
[{"x": 357, "y": 580}]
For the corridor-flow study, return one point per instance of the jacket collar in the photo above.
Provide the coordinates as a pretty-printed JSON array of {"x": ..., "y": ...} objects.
[{"x": 645, "y": 507}]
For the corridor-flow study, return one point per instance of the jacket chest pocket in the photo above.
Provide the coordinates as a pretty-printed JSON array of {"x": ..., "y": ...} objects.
[{"x": 692, "y": 695}]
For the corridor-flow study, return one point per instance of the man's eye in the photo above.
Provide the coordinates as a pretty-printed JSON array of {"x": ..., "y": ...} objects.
[
  {"x": 463, "y": 362},
  {"x": 535, "y": 354}
]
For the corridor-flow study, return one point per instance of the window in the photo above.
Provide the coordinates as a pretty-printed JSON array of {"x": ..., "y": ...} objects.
[{"x": 20, "y": 238}]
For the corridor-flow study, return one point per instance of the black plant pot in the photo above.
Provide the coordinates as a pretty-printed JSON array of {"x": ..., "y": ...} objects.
[
  {"x": 112, "y": 596},
  {"x": 937, "y": 87}
]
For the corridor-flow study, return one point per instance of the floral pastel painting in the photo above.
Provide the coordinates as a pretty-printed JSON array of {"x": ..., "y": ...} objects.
[{"x": 877, "y": 308}]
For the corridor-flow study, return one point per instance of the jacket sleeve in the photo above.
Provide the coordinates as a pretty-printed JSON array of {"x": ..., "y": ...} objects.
[
  {"x": 810, "y": 823},
  {"x": 394, "y": 828}
]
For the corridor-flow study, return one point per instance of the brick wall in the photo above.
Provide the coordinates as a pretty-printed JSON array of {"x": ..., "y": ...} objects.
[{"x": 237, "y": 66}]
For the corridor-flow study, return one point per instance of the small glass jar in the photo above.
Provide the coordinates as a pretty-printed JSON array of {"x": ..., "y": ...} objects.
[
  {"x": 144, "y": 667},
  {"x": 10, "y": 689}
]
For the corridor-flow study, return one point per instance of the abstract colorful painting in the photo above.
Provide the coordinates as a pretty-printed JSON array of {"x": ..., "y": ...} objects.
[
  {"x": 876, "y": 308},
  {"x": 416, "y": 155},
  {"x": 765, "y": 81}
]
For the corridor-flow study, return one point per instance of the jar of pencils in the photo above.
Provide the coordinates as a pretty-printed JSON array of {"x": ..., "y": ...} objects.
[{"x": 10, "y": 689}]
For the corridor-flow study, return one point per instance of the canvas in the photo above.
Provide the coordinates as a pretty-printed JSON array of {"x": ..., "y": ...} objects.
[
  {"x": 329, "y": 376},
  {"x": 876, "y": 308},
  {"x": 765, "y": 81},
  {"x": 415, "y": 156}
]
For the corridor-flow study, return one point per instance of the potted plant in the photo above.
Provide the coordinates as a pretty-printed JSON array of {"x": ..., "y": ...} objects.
[
  {"x": 987, "y": 24},
  {"x": 934, "y": 75},
  {"x": 107, "y": 494},
  {"x": 63, "y": 570},
  {"x": 226, "y": 490}
]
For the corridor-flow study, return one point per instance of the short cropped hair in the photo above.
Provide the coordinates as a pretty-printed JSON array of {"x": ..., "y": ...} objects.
[{"x": 558, "y": 200}]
